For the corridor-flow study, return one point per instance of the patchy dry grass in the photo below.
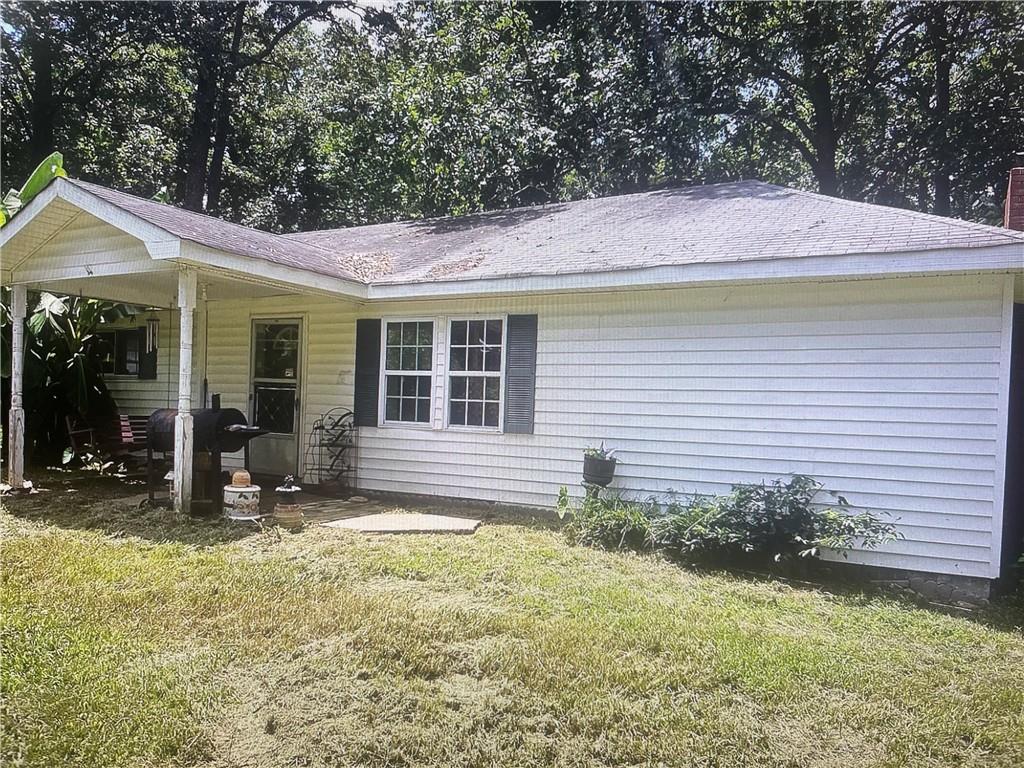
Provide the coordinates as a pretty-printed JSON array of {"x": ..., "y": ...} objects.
[{"x": 137, "y": 639}]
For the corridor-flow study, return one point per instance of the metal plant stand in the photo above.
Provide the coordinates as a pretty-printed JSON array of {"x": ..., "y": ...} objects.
[{"x": 330, "y": 451}]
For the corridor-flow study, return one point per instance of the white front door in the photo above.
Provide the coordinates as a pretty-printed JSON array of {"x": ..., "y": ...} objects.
[{"x": 274, "y": 395}]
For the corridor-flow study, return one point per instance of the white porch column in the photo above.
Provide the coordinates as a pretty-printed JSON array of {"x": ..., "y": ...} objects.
[
  {"x": 183, "y": 434},
  {"x": 16, "y": 422},
  {"x": 199, "y": 349}
]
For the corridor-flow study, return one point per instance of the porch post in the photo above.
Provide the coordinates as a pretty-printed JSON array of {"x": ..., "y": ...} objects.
[
  {"x": 16, "y": 422},
  {"x": 183, "y": 435}
]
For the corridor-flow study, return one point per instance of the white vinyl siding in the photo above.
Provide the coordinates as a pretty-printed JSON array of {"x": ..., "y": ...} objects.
[
  {"x": 886, "y": 390},
  {"x": 140, "y": 397},
  {"x": 328, "y": 352}
]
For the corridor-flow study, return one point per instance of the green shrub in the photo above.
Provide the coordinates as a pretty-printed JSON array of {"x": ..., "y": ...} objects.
[
  {"x": 777, "y": 520},
  {"x": 610, "y": 521}
]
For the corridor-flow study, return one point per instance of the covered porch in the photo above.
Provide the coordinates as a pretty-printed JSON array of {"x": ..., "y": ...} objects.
[{"x": 76, "y": 239}]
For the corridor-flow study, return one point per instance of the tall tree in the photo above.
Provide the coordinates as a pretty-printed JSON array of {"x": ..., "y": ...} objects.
[
  {"x": 221, "y": 40},
  {"x": 807, "y": 72},
  {"x": 59, "y": 58}
]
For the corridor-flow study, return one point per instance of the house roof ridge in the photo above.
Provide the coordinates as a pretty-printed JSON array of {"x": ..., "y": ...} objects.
[{"x": 537, "y": 206}]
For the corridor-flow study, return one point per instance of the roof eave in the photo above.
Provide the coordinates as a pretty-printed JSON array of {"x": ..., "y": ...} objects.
[
  {"x": 1002, "y": 258},
  {"x": 251, "y": 269}
]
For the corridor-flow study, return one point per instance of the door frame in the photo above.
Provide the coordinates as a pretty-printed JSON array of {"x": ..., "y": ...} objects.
[{"x": 301, "y": 319}]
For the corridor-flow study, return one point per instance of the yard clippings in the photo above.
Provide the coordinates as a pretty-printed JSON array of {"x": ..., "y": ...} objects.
[{"x": 237, "y": 646}]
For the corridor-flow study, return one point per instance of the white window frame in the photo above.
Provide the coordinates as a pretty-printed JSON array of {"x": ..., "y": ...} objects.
[
  {"x": 448, "y": 373},
  {"x": 383, "y": 381}
]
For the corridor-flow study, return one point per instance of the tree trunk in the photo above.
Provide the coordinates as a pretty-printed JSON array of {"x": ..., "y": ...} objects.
[
  {"x": 198, "y": 151},
  {"x": 43, "y": 109},
  {"x": 825, "y": 171},
  {"x": 215, "y": 178},
  {"x": 940, "y": 149}
]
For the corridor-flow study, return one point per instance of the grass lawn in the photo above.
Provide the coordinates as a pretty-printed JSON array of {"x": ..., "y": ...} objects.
[{"x": 139, "y": 639}]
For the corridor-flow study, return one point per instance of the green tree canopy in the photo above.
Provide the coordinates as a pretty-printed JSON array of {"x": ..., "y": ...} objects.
[{"x": 288, "y": 115}]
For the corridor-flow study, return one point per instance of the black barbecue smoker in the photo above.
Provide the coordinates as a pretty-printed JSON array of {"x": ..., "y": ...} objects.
[{"x": 215, "y": 431}]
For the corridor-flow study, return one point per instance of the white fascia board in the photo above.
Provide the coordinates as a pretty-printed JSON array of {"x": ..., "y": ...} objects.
[
  {"x": 1002, "y": 258},
  {"x": 269, "y": 273}
]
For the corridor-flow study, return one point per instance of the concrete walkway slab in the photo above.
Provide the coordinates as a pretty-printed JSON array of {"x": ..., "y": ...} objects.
[{"x": 406, "y": 522}]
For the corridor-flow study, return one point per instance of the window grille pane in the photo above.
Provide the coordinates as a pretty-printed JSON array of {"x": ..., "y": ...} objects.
[
  {"x": 475, "y": 413},
  {"x": 423, "y": 359},
  {"x": 459, "y": 332},
  {"x": 492, "y": 389},
  {"x": 458, "y": 361},
  {"x": 476, "y": 332},
  {"x": 494, "y": 332},
  {"x": 457, "y": 413},
  {"x": 492, "y": 359},
  {"x": 408, "y": 409},
  {"x": 458, "y": 387},
  {"x": 490, "y": 414}
]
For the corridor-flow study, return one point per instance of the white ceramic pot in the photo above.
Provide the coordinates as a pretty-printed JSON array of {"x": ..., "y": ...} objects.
[{"x": 242, "y": 502}]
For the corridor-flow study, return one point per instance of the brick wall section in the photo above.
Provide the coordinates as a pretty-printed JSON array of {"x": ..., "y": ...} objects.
[{"x": 1013, "y": 217}]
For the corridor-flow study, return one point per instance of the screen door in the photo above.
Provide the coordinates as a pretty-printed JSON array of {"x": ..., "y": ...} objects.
[{"x": 274, "y": 396}]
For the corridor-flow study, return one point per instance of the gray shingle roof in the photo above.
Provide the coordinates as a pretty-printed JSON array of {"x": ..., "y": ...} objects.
[
  {"x": 225, "y": 236},
  {"x": 738, "y": 221}
]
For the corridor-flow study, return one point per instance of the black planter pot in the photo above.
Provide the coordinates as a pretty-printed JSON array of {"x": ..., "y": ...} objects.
[
  {"x": 288, "y": 495},
  {"x": 598, "y": 471}
]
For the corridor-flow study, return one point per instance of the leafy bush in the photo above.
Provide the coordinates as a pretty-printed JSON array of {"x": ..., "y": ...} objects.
[
  {"x": 610, "y": 522},
  {"x": 777, "y": 520},
  {"x": 780, "y": 519}
]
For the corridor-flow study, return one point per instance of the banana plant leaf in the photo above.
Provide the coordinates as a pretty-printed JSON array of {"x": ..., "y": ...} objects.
[{"x": 16, "y": 199}]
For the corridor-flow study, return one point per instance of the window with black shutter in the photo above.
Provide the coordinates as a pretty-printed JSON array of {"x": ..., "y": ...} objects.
[
  {"x": 367, "y": 379},
  {"x": 520, "y": 373}
]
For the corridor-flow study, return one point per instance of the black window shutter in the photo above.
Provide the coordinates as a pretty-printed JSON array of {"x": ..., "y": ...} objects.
[
  {"x": 520, "y": 373},
  {"x": 147, "y": 359},
  {"x": 367, "y": 372}
]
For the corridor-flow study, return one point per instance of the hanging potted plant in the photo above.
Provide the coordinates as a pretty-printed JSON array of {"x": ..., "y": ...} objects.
[{"x": 598, "y": 466}]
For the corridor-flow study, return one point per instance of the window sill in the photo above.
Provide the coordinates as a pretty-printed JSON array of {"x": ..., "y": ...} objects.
[{"x": 474, "y": 430}]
